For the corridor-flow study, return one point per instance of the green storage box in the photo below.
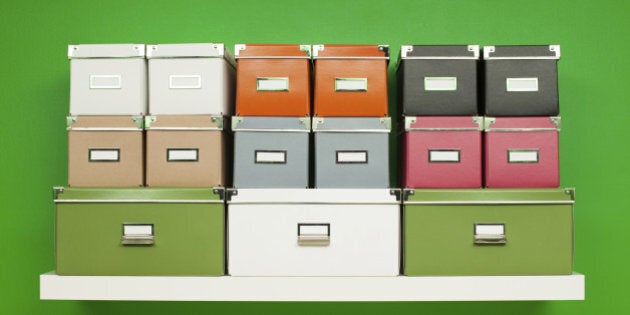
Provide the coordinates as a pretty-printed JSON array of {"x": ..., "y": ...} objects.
[
  {"x": 139, "y": 231},
  {"x": 484, "y": 232}
]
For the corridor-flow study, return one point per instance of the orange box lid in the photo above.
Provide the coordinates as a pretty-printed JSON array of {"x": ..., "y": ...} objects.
[
  {"x": 351, "y": 51},
  {"x": 272, "y": 51}
]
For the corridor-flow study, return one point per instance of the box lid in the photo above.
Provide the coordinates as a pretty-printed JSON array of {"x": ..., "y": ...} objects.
[
  {"x": 106, "y": 51},
  {"x": 271, "y": 124},
  {"x": 490, "y": 196},
  {"x": 104, "y": 123},
  {"x": 444, "y": 123},
  {"x": 196, "y": 50},
  {"x": 347, "y": 124},
  {"x": 314, "y": 196},
  {"x": 290, "y": 51},
  {"x": 521, "y": 52},
  {"x": 512, "y": 124},
  {"x": 143, "y": 194},
  {"x": 439, "y": 52},
  {"x": 183, "y": 122},
  {"x": 351, "y": 52}
]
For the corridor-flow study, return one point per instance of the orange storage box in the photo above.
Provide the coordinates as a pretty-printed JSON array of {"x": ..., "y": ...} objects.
[
  {"x": 351, "y": 80},
  {"x": 273, "y": 80}
]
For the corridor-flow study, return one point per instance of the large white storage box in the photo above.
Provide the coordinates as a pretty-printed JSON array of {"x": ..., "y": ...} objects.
[
  {"x": 108, "y": 79},
  {"x": 190, "y": 79},
  {"x": 313, "y": 232}
]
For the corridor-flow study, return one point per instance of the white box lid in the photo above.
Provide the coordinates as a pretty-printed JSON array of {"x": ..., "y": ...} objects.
[
  {"x": 106, "y": 51},
  {"x": 314, "y": 196}
]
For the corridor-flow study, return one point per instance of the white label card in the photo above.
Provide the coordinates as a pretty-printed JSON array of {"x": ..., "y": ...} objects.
[
  {"x": 351, "y": 84},
  {"x": 490, "y": 229},
  {"x": 105, "y": 82},
  {"x": 272, "y": 84},
  {"x": 104, "y": 155},
  {"x": 271, "y": 157},
  {"x": 313, "y": 229},
  {"x": 522, "y": 156},
  {"x": 184, "y": 82},
  {"x": 440, "y": 83},
  {"x": 137, "y": 229},
  {"x": 182, "y": 155},
  {"x": 352, "y": 157},
  {"x": 521, "y": 84},
  {"x": 444, "y": 156}
]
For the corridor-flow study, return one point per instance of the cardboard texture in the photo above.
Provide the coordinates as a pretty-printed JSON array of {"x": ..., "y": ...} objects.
[
  {"x": 119, "y": 138},
  {"x": 185, "y": 151}
]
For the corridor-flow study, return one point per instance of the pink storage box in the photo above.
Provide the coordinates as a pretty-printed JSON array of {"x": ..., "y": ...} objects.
[
  {"x": 442, "y": 152},
  {"x": 521, "y": 152}
]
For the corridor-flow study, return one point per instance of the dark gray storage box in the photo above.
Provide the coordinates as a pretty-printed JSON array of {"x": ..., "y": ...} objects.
[
  {"x": 438, "y": 80},
  {"x": 351, "y": 152},
  {"x": 271, "y": 152},
  {"x": 521, "y": 80}
]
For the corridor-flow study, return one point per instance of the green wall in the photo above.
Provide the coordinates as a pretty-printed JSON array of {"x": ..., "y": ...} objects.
[{"x": 594, "y": 75}]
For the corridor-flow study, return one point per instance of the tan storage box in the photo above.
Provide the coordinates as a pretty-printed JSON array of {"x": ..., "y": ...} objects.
[
  {"x": 105, "y": 151},
  {"x": 185, "y": 151}
]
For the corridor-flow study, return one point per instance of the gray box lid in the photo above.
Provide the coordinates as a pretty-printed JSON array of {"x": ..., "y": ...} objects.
[
  {"x": 439, "y": 52},
  {"x": 271, "y": 124},
  {"x": 106, "y": 51},
  {"x": 522, "y": 52},
  {"x": 352, "y": 124}
]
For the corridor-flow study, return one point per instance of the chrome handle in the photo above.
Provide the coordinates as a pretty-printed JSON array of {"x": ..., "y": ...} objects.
[
  {"x": 137, "y": 234},
  {"x": 313, "y": 234},
  {"x": 490, "y": 233}
]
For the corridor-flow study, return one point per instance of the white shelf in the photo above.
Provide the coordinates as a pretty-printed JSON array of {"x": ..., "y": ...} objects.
[{"x": 496, "y": 288}]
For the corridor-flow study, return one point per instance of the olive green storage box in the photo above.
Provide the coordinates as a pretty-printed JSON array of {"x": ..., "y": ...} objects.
[
  {"x": 139, "y": 231},
  {"x": 486, "y": 232}
]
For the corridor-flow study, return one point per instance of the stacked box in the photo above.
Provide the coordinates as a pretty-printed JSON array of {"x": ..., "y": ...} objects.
[
  {"x": 185, "y": 151},
  {"x": 521, "y": 152},
  {"x": 442, "y": 152},
  {"x": 488, "y": 232},
  {"x": 271, "y": 152},
  {"x": 521, "y": 105},
  {"x": 108, "y": 97},
  {"x": 273, "y": 80},
  {"x": 438, "y": 96},
  {"x": 314, "y": 232},
  {"x": 351, "y": 152},
  {"x": 273, "y": 107},
  {"x": 139, "y": 231},
  {"x": 351, "y": 126},
  {"x": 191, "y": 88}
]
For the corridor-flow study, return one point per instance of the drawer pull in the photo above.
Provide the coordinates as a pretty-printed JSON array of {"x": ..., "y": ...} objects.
[
  {"x": 314, "y": 234},
  {"x": 137, "y": 234},
  {"x": 490, "y": 234}
]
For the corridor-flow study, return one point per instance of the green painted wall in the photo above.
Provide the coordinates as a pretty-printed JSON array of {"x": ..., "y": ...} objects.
[{"x": 594, "y": 77}]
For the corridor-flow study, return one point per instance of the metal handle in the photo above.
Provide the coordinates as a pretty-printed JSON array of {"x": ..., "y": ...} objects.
[
  {"x": 137, "y": 234},
  {"x": 313, "y": 234},
  {"x": 490, "y": 233},
  {"x": 490, "y": 239}
]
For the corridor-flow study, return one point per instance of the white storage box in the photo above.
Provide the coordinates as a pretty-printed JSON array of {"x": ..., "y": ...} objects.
[
  {"x": 191, "y": 79},
  {"x": 108, "y": 79},
  {"x": 313, "y": 232}
]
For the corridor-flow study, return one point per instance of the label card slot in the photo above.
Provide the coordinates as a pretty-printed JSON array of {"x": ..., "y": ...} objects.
[
  {"x": 444, "y": 156},
  {"x": 104, "y": 155}
]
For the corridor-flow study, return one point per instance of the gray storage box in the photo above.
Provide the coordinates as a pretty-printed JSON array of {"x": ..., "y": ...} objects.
[
  {"x": 108, "y": 79},
  {"x": 521, "y": 80},
  {"x": 438, "y": 80},
  {"x": 190, "y": 79},
  {"x": 271, "y": 152},
  {"x": 352, "y": 152}
]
